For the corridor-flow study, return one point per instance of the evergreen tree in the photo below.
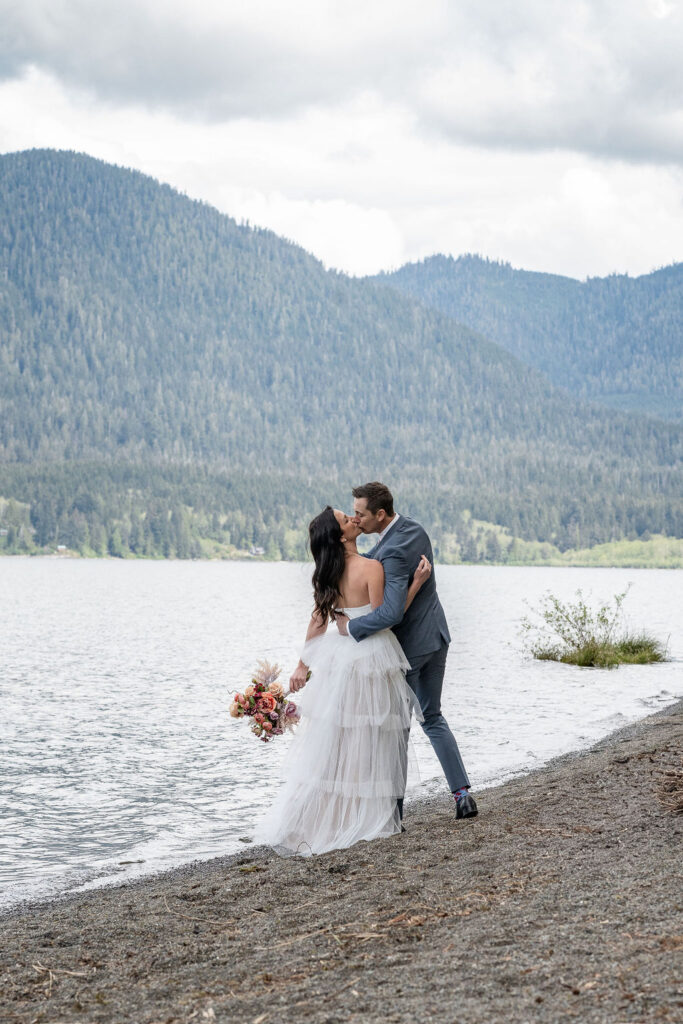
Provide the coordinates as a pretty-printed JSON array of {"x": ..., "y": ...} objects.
[{"x": 169, "y": 378}]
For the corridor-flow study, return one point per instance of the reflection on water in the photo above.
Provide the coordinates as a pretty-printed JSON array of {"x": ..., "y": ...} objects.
[{"x": 115, "y": 677}]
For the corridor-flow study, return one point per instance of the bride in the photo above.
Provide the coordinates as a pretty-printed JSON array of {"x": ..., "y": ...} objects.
[{"x": 346, "y": 767}]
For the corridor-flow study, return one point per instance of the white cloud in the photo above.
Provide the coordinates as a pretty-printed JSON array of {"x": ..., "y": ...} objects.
[
  {"x": 603, "y": 77},
  {"x": 548, "y": 134},
  {"x": 341, "y": 234},
  {"x": 213, "y": 60},
  {"x": 600, "y": 78}
]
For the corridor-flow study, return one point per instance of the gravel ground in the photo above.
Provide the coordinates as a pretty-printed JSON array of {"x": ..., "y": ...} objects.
[{"x": 560, "y": 902}]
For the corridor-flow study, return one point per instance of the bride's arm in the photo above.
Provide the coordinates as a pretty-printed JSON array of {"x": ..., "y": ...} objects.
[
  {"x": 422, "y": 574},
  {"x": 376, "y": 582},
  {"x": 316, "y": 627}
]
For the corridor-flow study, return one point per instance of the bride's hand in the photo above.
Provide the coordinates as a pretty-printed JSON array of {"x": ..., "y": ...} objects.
[
  {"x": 423, "y": 571},
  {"x": 342, "y": 624},
  {"x": 298, "y": 677}
]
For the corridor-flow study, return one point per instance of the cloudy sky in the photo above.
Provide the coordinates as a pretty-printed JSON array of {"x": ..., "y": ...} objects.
[{"x": 544, "y": 132}]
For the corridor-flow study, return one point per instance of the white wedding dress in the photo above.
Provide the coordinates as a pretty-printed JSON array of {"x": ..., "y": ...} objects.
[{"x": 347, "y": 762}]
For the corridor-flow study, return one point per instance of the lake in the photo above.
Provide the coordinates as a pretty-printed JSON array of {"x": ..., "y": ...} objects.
[{"x": 118, "y": 755}]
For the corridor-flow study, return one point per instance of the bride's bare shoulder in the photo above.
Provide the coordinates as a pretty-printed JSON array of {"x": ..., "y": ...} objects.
[
  {"x": 372, "y": 569},
  {"x": 362, "y": 570}
]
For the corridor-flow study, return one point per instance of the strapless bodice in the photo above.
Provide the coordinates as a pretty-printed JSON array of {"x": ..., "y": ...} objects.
[{"x": 353, "y": 613}]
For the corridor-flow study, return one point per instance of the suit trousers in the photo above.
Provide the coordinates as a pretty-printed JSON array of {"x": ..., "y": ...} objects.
[{"x": 425, "y": 679}]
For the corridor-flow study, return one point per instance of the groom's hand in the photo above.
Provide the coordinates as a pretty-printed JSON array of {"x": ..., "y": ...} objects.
[{"x": 297, "y": 680}]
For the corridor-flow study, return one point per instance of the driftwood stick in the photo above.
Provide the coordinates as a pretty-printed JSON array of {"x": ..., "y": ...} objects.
[{"x": 60, "y": 970}]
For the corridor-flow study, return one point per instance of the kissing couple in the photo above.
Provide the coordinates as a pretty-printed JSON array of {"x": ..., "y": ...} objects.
[{"x": 347, "y": 765}]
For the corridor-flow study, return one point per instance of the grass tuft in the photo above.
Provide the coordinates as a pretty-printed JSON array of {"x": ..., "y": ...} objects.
[{"x": 588, "y": 638}]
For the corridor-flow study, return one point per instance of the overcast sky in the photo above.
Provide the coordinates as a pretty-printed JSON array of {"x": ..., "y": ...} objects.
[{"x": 544, "y": 132}]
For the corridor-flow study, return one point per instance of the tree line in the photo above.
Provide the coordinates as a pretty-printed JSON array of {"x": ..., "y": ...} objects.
[
  {"x": 171, "y": 380},
  {"x": 615, "y": 340}
]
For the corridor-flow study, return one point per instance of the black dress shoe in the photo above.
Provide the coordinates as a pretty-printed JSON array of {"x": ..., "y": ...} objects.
[{"x": 466, "y": 807}]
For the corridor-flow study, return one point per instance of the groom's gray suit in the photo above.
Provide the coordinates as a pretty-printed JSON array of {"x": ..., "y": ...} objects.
[{"x": 422, "y": 633}]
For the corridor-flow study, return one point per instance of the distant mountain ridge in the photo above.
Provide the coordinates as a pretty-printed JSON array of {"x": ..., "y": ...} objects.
[
  {"x": 616, "y": 340},
  {"x": 140, "y": 328}
]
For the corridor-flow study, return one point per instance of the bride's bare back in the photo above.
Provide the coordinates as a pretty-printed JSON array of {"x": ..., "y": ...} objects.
[{"x": 362, "y": 582}]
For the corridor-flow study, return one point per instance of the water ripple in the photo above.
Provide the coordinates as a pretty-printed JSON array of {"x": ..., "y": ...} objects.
[{"x": 115, "y": 742}]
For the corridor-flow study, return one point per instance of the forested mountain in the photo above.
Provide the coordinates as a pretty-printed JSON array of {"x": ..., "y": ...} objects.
[
  {"x": 162, "y": 366},
  {"x": 617, "y": 340}
]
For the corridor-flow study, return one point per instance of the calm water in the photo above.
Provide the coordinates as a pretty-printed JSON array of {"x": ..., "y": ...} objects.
[{"x": 115, "y": 677}]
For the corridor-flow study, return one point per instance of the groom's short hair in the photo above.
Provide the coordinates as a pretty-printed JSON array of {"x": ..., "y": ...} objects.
[{"x": 377, "y": 496}]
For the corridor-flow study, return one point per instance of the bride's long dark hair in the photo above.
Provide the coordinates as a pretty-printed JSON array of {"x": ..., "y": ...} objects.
[{"x": 325, "y": 537}]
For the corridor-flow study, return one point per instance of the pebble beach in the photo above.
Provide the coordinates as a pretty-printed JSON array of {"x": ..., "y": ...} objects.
[{"x": 561, "y": 902}]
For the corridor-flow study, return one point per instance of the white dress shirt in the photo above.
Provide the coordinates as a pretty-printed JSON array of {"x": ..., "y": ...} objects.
[{"x": 386, "y": 529}]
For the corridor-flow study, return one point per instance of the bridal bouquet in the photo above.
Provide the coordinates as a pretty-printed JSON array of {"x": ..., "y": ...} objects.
[{"x": 266, "y": 702}]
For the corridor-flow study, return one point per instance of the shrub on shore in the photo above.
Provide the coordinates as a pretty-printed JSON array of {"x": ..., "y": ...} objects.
[{"x": 571, "y": 632}]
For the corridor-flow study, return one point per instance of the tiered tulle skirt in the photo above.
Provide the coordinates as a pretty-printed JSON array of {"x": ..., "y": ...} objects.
[{"x": 346, "y": 766}]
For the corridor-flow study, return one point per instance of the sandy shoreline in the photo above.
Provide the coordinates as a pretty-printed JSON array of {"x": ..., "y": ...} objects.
[{"x": 561, "y": 902}]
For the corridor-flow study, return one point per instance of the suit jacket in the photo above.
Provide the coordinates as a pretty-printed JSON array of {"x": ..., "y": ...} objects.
[{"x": 423, "y": 628}]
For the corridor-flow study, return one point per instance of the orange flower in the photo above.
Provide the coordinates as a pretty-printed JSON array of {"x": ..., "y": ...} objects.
[
  {"x": 277, "y": 689},
  {"x": 234, "y": 713},
  {"x": 267, "y": 703}
]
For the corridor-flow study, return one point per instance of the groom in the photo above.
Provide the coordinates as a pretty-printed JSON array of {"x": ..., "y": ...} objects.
[{"x": 422, "y": 631}]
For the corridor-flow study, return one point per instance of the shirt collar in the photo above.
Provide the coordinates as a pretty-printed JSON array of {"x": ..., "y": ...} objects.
[{"x": 386, "y": 529}]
